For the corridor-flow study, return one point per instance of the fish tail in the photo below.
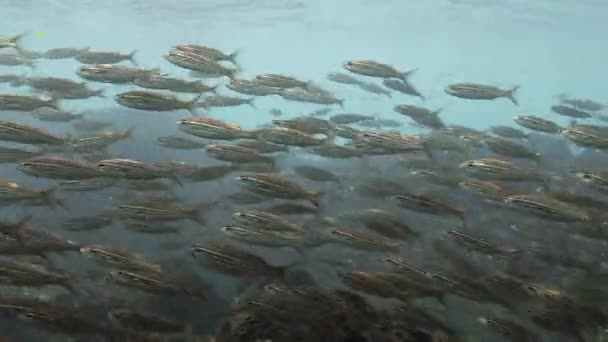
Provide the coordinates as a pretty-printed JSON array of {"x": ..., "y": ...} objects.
[
  {"x": 315, "y": 199},
  {"x": 194, "y": 104},
  {"x": 17, "y": 41},
  {"x": 214, "y": 89},
  {"x": 129, "y": 132},
  {"x": 49, "y": 198},
  {"x": 18, "y": 229},
  {"x": 233, "y": 57},
  {"x": 511, "y": 95},
  {"x": 405, "y": 75},
  {"x": 200, "y": 213},
  {"x": 251, "y": 103},
  {"x": 54, "y": 103},
  {"x": 176, "y": 179},
  {"x": 99, "y": 93},
  {"x": 341, "y": 103},
  {"x": 71, "y": 288},
  {"x": 132, "y": 57}
]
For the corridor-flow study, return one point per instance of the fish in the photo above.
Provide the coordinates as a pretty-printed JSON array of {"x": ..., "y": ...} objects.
[
  {"x": 237, "y": 154},
  {"x": 549, "y": 208},
  {"x": 13, "y": 193},
  {"x": 382, "y": 222},
  {"x": 536, "y": 123},
  {"x": 316, "y": 174},
  {"x": 180, "y": 143},
  {"x": 570, "y": 112},
  {"x": 251, "y": 87},
  {"x": 496, "y": 169},
  {"x": 273, "y": 186},
  {"x": 155, "y": 101},
  {"x": 226, "y": 101},
  {"x": 489, "y": 191},
  {"x": 261, "y": 146},
  {"x": 131, "y": 319},
  {"x": 404, "y": 87},
  {"x": 88, "y": 56},
  {"x": 12, "y": 42},
  {"x": 349, "y": 118},
  {"x": 361, "y": 241},
  {"x": 261, "y": 220},
  {"x": 280, "y": 81},
  {"x": 26, "y": 102},
  {"x": 54, "y": 115},
  {"x": 58, "y": 168},
  {"x": 343, "y": 78},
  {"x": 374, "y": 88},
  {"x": 510, "y": 148},
  {"x": 584, "y": 104},
  {"x": 233, "y": 260},
  {"x": 476, "y": 244},
  {"x": 119, "y": 259},
  {"x": 196, "y": 62},
  {"x": 159, "y": 81},
  {"x": 587, "y": 137},
  {"x": 508, "y": 132},
  {"x": 133, "y": 169},
  {"x": 371, "y": 68},
  {"x": 306, "y": 124},
  {"x": 112, "y": 73},
  {"x": 476, "y": 91},
  {"x": 290, "y": 137},
  {"x": 25, "y": 274},
  {"x": 14, "y": 59},
  {"x": 62, "y": 53},
  {"x": 12, "y": 155},
  {"x": 210, "y": 52},
  {"x": 213, "y": 129},
  {"x": 158, "y": 211},
  {"x": 428, "y": 204},
  {"x": 300, "y": 95}
]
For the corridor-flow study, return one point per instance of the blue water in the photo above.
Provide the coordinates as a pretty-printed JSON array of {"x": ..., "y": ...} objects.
[{"x": 546, "y": 47}]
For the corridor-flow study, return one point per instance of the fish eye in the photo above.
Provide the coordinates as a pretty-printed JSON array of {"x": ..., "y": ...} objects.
[
  {"x": 26, "y": 164},
  {"x": 102, "y": 165},
  {"x": 586, "y": 176}
]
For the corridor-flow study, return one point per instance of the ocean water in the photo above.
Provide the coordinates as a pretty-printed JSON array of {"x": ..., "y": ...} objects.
[{"x": 547, "y": 48}]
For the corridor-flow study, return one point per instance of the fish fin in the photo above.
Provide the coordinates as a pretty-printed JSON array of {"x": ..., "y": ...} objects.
[
  {"x": 511, "y": 95},
  {"x": 132, "y": 57},
  {"x": 233, "y": 56},
  {"x": 405, "y": 75},
  {"x": 251, "y": 103}
]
